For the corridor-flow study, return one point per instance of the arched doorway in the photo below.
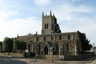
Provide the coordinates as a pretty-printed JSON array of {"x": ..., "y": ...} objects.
[{"x": 45, "y": 50}]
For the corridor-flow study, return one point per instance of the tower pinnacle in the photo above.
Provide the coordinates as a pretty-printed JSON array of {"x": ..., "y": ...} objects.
[
  {"x": 53, "y": 14},
  {"x": 42, "y": 14},
  {"x": 36, "y": 33},
  {"x": 50, "y": 13}
]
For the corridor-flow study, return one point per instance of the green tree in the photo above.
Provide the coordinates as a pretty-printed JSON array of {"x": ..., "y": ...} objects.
[
  {"x": 85, "y": 42},
  {"x": 14, "y": 46},
  {"x": 8, "y": 44},
  {"x": 30, "y": 34},
  {"x": 0, "y": 45},
  {"x": 20, "y": 45},
  {"x": 57, "y": 29}
]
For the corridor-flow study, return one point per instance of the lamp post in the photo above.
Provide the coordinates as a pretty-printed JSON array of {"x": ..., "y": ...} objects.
[
  {"x": 52, "y": 42},
  {"x": 52, "y": 46},
  {"x": 93, "y": 48},
  {"x": 35, "y": 51}
]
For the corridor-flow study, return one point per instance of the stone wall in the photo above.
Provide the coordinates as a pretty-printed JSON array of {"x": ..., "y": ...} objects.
[
  {"x": 12, "y": 55},
  {"x": 18, "y": 51},
  {"x": 66, "y": 57},
  {"x": 55, "y": 57},
  {"x": 71, "y": 57}
]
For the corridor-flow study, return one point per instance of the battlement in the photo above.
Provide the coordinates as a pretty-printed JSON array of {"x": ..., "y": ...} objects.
[{"x": 48, "y": 16}]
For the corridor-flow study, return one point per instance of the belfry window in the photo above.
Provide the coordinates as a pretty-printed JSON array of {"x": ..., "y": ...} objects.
[{"x": 46, "y": 26}]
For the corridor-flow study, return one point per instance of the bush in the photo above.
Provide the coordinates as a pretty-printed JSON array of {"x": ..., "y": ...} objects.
[
  {"x": 87, "y": 53},
  {"x": 32, "y": 54}
]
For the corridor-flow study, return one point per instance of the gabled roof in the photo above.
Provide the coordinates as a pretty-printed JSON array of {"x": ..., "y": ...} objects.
[{"x": 49, "y": 43}]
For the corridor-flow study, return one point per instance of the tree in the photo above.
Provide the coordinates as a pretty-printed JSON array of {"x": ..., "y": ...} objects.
[
  {"x": 57, "y": 29},
  {"x": 85, "y": 42},
  {"x": 8, "y": 44},
  {"x": 20, "y": 45},
  {"x": 14, "y": 46},
  {"x": 0, "y": 45},
  {"x": 30, "y": 34}
]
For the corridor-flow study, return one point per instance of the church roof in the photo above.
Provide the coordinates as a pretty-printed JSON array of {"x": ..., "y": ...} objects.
[
  {"x": 25, "y": 38},
  {"x": 31, "y": 38}
]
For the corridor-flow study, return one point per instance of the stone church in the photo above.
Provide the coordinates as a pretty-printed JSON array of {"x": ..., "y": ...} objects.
[{"x": 51, "y": 36}]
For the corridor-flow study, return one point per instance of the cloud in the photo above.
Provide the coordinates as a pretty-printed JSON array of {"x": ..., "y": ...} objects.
[
  {"x": 13, "y": 12},
  {"x": 72, "y": 18},
  {"x": 41, "y": 2},
  {"x": 6, "y": 14},
  {"x": 1, "y": 1},
  {"x": 69, "y": 11},
  {"x": 76, "y": 0},
  {"x": 19, "y": 26},
  {"x": 84, "y": 25}
]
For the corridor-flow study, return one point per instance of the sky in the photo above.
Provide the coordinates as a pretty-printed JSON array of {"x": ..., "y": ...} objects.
[{"x": 21, "y": 17}]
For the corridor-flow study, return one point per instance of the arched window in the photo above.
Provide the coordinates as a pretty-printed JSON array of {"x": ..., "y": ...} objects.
[
  {"x": 44, "y": 38},
  {"x": 51, "y": 38},
  {"x": 37, "y": 38},
  {"x": 68, "y": 37},
  {"x": 56, "y": 47},
  {"x": 60, "y": 37},
  {"x": 67, "y": 46},
  {"x": 29, "y": 47},
  {"x": 39, "y": 47},
  {"x": 47, "y": 26}
]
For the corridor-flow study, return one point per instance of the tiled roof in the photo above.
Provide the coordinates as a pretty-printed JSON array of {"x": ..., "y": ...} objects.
[{"x": 25, "y": 38}]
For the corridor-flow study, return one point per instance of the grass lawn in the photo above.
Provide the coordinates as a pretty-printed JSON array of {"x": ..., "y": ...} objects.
[{"x": 11, "y": 53}]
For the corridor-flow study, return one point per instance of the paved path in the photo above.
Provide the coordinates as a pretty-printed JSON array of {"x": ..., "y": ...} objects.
[{"x": 5, "y": 59}]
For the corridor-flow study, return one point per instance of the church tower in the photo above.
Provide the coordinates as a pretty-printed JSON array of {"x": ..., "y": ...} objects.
[{"x": 49, "y": 24}]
